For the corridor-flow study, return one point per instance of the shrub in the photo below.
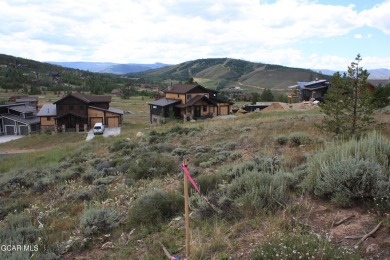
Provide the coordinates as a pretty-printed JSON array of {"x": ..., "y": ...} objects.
[
  {"x": 261, "y": 164},
  {"x": 259, "y": 191},
  {"x": 151, "y": 165},
  {"x": 351, "y": 179},
  {"x": 358, "y": 166},
  {"x": 155, "y": 207},
  {"x": 42, "y": 185},
  {"x": 230, "y": 146},
  {"x": 299, "y": 138},
  {"x": 84, "y": 194},
  {"x": 97, "y": 220},
  {"x": 180, "y": 151},
  {"x": 208, "y": 183},
  {"x": 121, "y": 145},
  {"x": 281, "y": 140}
]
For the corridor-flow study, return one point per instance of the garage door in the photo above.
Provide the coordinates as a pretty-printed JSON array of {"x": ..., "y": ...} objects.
[
  {"x": 95, "y": 120},
  {"x": 10, "y": 130},
  {"x": 23, "y": 130},
  {"x": 224, "y": 110},
  {"x": 113, "y": 122}
]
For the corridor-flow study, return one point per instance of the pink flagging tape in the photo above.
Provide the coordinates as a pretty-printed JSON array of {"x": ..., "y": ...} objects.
[
  {"x": 184, "y": 167},
  {"x": 187, "y": 173}
]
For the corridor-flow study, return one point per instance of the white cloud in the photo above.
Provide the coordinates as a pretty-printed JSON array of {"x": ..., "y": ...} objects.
[
  {"x": 358, "y": 36},
  {"x": 174, "y": 31},
  {"x": 378, "y": 17}
]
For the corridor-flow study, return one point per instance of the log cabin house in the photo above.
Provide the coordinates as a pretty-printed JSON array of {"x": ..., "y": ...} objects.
[
  {"x": 188, "y": 101},
  {"x": 77, "y": 112}
]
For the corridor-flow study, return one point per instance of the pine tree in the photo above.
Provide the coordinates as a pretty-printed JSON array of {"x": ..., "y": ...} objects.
[{"x": 348, "y": 107}]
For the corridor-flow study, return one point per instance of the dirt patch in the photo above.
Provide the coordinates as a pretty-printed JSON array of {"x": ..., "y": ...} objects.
[{"x": 321, "y": 218}]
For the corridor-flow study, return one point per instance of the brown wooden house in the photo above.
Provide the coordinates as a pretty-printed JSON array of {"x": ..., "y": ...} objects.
[
  {"x": 77, "y": 112},
  {"x": 189, "y": 101}
]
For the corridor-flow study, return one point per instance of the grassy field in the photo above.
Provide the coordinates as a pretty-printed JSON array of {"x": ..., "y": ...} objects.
[{"x": 120, "y": 197}]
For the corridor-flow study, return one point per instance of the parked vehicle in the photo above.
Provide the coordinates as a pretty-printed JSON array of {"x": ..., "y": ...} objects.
[{"x": 98, "y": 128}]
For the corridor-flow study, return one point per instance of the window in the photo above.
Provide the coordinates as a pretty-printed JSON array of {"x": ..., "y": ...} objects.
[
  {"x": 81, "y": 108},
  {"x": 204, "y": 108},
  {"x": 178, "y": 95},
  {"x": 71, "y": 107},
  {"x": 154, "y": 107},
  {"x": 189, "y": 110},
  {"x": 189, "y": 97},
  {"x": 48, "y": 118}
]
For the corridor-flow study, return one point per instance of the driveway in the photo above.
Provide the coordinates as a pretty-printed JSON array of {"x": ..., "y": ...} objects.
[
  {"x": 7, "y": 138},
  {"x": 108, "y": 131}
]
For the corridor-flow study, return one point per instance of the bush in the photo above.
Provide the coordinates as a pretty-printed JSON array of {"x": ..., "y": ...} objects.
[
  {"x": 208, "y": 183},
  {"x": 122, "y": 145},
  {"x": 357, "y": 169},
  {"x": 281, "y": 140},
  {"x": 151, "y": 165},
  {"x": 97, "y": 220},
  {"x": 155, "y": 207},
  {"x": 84, "y": 194},
  {"x": 259, "y": 191},
  {"x": 299, "y": 138},
  {"x": 180, "y": 151},
  {"x": 351, "y": 179}
]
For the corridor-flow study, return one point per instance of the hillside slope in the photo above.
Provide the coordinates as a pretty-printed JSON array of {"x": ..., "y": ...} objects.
[
  {"x": 120, "y": 197},
  {"x": 226, "y": 72}
]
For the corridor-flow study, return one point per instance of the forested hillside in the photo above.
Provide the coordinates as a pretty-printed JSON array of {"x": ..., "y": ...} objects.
[{"x": 32, "y": 77}]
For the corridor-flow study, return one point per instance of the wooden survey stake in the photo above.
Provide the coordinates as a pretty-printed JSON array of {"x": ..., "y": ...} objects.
[{"x": 187, "y": 212}]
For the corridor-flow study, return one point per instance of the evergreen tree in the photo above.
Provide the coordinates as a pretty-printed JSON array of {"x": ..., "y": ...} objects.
[
  {"x": 267, "y": 96},
  {"x": 255, "y": 97},
  {"x": 348, "y": 106}
]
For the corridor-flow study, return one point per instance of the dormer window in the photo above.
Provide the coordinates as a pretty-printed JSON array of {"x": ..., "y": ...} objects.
[{"x": 189, "y": 97}]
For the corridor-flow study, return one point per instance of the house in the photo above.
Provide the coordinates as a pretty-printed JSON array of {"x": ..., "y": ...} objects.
[
  {"x": 116, "y": 92},
  {"x": 18, "y": 119},
  {"x": 47, "y": 116},
  {"x": 188, "y": 101},
  {"x": 305, "y": 91},
  {"x": 78, "y": 112}
]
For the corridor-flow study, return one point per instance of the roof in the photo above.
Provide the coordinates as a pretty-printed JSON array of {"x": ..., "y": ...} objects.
[
  {"x": 185, "y": 88},
  {"x": 71, "y": 114},
  {"x": 111, "y": 109},
  {"x": 48, "y": 110},
  {"x": 27, "y": 99},
  {"x": 88, "y": 99},
  {"x": 29, "y": 121},
  {"x": 163, "y": 102},
  {"x": 196, "y": 99},
  {"x": 23, "y": 108},
  {"x": 311, "y": 83}
]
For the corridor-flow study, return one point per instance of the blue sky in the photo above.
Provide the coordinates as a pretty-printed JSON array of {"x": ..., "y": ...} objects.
[{"x": 317, "y": 34}]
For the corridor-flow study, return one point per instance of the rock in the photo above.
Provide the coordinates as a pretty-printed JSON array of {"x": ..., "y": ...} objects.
[
  {"x": 107, "y": 245},
  {"x": 372, "y": 249},
  {"x": 140, "y": 134}
]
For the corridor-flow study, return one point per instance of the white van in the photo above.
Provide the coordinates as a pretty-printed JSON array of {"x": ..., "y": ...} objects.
[{"x": 98, "y": 128}]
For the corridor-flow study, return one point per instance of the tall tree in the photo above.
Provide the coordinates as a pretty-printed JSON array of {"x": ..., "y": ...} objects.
[
  {"x": 348, "y": 106},
  {"x": 267, "y": 96}
]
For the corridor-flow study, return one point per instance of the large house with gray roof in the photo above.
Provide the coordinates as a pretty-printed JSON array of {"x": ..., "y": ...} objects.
[
  {"x": 18, "y": 119},
  {"x": 188, "y": 101},
  {"x": 77, "y": 112}
]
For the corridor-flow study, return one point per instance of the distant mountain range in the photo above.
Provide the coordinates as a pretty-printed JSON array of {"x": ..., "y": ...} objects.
[
  {"x": 374, "y": 73},
  {"x": 109, "y": 67},
  {"x": 118, "y": 68}
]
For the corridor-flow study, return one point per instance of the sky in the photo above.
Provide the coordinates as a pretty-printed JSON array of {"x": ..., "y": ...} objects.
[{"x": 315, "y": 34}]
